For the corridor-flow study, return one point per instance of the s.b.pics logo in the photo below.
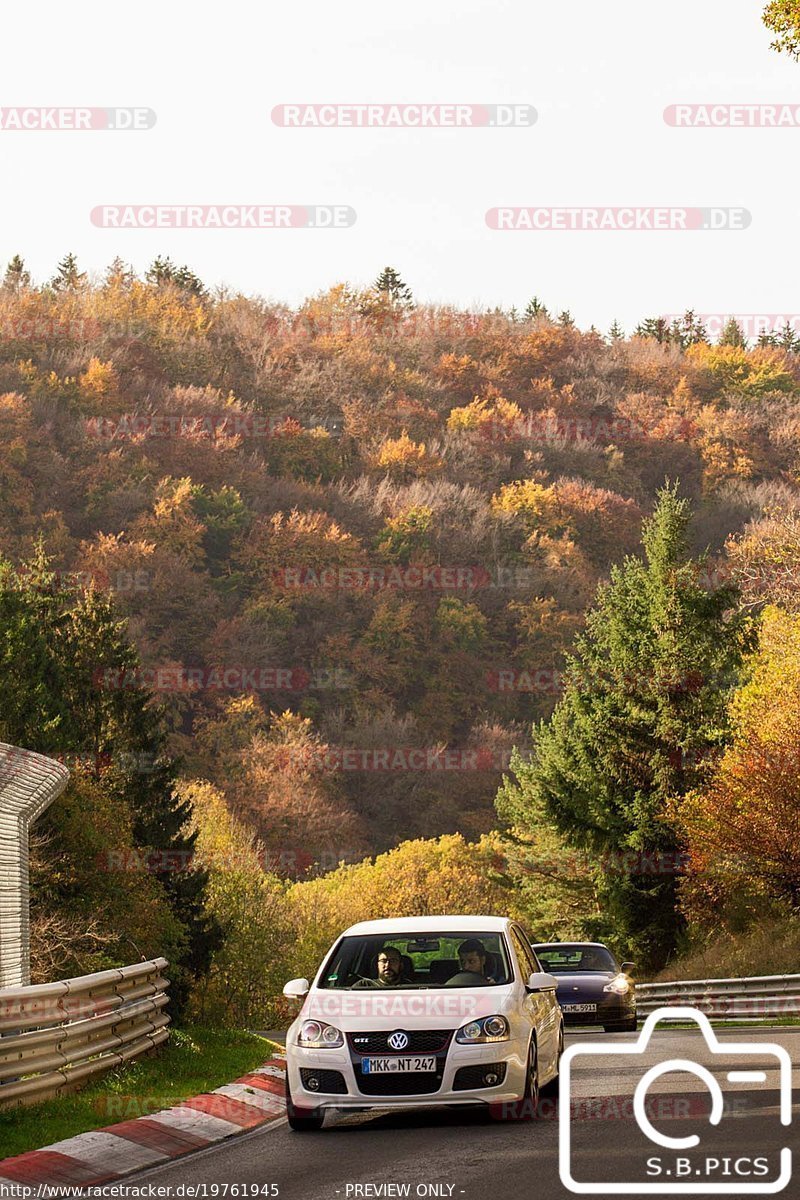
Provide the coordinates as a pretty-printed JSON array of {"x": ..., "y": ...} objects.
[{"x": 734, "y": 1098}]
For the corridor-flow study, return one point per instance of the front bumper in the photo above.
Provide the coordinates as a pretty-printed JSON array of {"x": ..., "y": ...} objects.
[
  {"x": 436, "y": 1091},
  {"x": 611, "y": 1009}
]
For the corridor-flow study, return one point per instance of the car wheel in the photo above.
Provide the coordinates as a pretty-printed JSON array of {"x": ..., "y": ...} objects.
[
  {"x": 302, "y": 1120},
  {"x": 530, "y": 1102},
  {"x": 526, "y": 1108},
  {"x": 552, "y": 1088}
]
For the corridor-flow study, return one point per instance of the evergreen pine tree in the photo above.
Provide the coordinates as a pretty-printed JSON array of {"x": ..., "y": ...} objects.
[
  {"x": 657, "y": 328},
  {"x": 535, "y": 309},
  {"x": 16, "y": 278},
  {"x": 163, "y": 272},
  {"x": 732, "y": 334},
  {"x": 70, "y": 680},
  {"x": 68, "y": 278},
  {"x": 644, "y": 703},
  {"x": 789, "y": 340},
  {"x": 687, "y": 330},
  {"x": 390, "y": 284}
]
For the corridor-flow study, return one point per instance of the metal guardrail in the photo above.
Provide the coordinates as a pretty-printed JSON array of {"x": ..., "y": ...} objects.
[
  {"x": 28, "y": 784},
  {"x": 57, "y": 1036},
  {"x": 760, "y": 997}
]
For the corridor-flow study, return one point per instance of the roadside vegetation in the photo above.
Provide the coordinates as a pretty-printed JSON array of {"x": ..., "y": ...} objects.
[
  {"x": 768, "y": 947},
  {"x": 194, "y": 1060}
]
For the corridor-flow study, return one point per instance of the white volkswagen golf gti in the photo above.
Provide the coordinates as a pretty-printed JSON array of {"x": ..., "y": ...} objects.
[{"x": 422, "y": 1012}]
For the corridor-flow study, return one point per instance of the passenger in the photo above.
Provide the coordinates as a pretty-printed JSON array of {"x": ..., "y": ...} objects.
[
  {"x": 472, "y": 956},
  {"x": 592, "y": 961}
]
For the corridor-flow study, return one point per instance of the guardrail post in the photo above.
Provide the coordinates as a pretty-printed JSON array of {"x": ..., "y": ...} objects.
[{"x": 28, "y": 784}]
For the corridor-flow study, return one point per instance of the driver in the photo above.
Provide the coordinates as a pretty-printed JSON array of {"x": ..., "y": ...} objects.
[
  {"x": 390, "y": 970},
  {"x": 472, "y": 956}
]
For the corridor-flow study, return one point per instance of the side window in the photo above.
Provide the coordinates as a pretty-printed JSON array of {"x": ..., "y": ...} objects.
[{"x": 525, "y": 955}]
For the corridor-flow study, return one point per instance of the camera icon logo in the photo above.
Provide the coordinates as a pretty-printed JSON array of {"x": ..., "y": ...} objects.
[{"x": 679, "y": 1171}]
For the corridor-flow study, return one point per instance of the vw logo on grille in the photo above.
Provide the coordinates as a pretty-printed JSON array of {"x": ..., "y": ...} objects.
[{"x": 398, "y": 1040}]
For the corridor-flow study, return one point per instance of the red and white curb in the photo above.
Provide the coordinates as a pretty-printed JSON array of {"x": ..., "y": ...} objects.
[{"x": 103, "y": 1155}]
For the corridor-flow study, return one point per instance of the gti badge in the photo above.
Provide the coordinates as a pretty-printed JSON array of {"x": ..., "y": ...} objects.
[{"x": 398, "y": 1040}]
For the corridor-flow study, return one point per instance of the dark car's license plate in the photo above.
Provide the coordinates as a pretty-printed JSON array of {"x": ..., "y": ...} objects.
[{"x": 579, "y": 1008}]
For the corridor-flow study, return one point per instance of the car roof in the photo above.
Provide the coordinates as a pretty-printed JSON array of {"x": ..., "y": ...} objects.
[
  {"x": 430, "y": 925},
  {"x": 555, "y": 945}
]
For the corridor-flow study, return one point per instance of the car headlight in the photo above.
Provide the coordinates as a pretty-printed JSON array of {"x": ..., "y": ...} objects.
[
  {"x": 619, "y": 986},
  {"x": 488, "y": 1029},
  {"x": 318, "y": 1036}
]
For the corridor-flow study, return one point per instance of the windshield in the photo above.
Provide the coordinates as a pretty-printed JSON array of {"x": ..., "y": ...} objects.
[
  {"x": 415, "y": 961},
  {"x": 569, "y": 959}
]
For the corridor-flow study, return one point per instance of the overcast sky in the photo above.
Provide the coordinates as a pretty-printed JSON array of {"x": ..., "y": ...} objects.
[{"x": 599, "y": 75}]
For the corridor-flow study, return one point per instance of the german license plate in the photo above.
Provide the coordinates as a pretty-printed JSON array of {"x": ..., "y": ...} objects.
[
  {"x": 392, "y": 1066},
  {"x": 580, "y": 1008}
]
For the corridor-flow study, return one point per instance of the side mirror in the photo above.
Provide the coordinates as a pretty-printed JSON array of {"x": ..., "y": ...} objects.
[
  {"x": 540, "y": 981},
  {"x": 628, "y": 968},
  {"x": 295, "y": 989}
]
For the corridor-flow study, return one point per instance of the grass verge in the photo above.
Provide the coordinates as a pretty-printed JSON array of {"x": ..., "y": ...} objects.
[
  {"x": 769, "y": 948},
  {"x": 194, "y": 1060}
]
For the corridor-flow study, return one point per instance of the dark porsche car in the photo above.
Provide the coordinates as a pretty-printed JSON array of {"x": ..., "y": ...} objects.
[{"x": 593, "y": 989}]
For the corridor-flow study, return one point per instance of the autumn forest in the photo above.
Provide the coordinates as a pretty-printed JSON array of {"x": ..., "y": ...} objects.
[{"x": 368, "y": 607}]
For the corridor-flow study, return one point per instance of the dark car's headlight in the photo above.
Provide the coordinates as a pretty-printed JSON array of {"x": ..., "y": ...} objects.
[
  {"x": 319, "y": 1036},
  {"x": 620, "y": 986},
  {"x": 488, "y": 1029}
]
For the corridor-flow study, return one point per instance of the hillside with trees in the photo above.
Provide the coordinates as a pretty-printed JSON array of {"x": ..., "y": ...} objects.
[{"x": 294, "y": 587}]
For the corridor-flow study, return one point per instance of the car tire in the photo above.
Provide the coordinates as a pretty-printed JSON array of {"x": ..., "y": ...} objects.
[
  {"x": 552, "y": 1088},
  {"x": 302, "y": 1120},
  {"x": 526, "y": 1108},
  {"x": 530, "y": 1101}
]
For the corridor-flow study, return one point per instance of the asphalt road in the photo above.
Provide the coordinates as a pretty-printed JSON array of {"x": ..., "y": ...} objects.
[{"x": 460, "y": 1153}]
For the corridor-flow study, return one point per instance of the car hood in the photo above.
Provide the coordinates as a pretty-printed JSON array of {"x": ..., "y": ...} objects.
[
  {"x": 583, "y": 983},
  {"x": 369, "y": 1009}
]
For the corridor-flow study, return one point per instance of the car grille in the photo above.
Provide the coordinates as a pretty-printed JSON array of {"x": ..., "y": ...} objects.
[
  {"x": 419, "y": 1083},
  {"x": 469, "y": 1078},
  {"x": 420, "y": 1041},
  {"x": 329, "y": 1082},
  {"x": 415, "y": 1083}
]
